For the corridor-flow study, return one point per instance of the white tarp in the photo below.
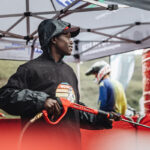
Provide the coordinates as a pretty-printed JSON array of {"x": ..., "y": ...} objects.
[{"x": 122, "y": 67}]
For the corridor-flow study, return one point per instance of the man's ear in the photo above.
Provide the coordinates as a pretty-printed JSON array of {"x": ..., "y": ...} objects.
[{"x": 54, "y": 40}]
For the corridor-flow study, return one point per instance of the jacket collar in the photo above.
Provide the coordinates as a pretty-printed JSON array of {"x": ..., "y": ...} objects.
[{"x": 47, "y": 54}]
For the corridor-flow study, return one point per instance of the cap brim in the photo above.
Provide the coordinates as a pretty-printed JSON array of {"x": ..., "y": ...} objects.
[
  {"x": 74, "y": 31},
  {"x": 89, "y": 72}
]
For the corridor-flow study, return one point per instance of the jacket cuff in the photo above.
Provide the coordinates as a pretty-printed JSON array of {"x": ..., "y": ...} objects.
[{"x": 41, "y": 101}]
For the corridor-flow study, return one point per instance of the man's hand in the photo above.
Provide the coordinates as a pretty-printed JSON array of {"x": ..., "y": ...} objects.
[
  {"x": 52, "y": 107},
  {"x": 115, "y": 116}
]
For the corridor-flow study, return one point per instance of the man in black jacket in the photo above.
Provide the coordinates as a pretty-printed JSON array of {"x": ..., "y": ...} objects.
[{"x": 38, "y": 83}]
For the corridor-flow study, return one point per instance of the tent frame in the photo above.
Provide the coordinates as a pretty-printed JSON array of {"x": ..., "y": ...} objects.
[{"x": 32, "y": 36}]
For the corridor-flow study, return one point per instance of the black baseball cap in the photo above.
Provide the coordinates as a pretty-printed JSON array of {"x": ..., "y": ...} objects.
[{"x": 50, "y": 28}]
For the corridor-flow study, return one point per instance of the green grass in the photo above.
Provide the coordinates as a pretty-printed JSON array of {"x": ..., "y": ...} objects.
[
  {"x": 7, "y": 68},
  {"x": 89, "y": 89},
  {"x": 134, "y": 90}
]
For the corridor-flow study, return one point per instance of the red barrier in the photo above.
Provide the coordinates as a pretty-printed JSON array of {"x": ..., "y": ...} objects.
[
  {"x": 143, "y": 135},
  {"x": 123, "y": 136},
  {"x": 146, "y": 79},
  {"x": 9, "y": 133}
]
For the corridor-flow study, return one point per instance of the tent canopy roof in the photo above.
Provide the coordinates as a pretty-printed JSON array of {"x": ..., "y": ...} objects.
[{"x": 124, "y": 29}]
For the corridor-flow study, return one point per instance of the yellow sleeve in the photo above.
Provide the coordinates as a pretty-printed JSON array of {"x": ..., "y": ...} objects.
[{"x": 120, "y": 98}]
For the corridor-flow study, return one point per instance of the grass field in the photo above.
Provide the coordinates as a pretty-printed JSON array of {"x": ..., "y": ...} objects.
[{"x": 89, "y": 90}]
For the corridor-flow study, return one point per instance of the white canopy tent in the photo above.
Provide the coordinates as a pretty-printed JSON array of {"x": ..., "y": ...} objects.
[{"x": 106, "y": 29}]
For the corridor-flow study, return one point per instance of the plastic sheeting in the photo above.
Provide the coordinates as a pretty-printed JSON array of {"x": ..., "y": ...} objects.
[{"x": 122, "y": 68}]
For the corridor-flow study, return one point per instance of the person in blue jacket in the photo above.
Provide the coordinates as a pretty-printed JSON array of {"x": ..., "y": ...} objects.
[{"x": 111, "y": 92}]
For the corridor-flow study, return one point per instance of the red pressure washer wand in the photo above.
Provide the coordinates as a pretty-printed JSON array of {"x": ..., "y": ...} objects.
[
  {"x": 67, "y": 104},
  {"x": 135, "y": 123}
]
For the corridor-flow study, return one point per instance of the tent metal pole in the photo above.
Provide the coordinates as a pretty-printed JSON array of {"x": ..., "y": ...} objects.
[
  {"x": 53, "y": 5},
  {"x": 87, "y": 9},
  {"x": 146, "y": 38},
  {"x": 126, "y": 29},
  {"x": 32, "y": 49},
  {"x": 145, "y": 23},
  {"x": 66, "y": 9},
  {"x": 77, "y": 60},
  {"x": 81, "y": 10},
  {"x": 39, "y": 17},
  {"x": 27, "y": 5},
  {"x": 12, "y": 34},
  {"x": 33, "y": 33},
  {"x": 10, "y": 37},
  {"x": 27, "y": 18},
  {"x": 44, "y": 13},
  {"x": 110, "y": 27},
  {"x": 105, "y": 40},
  {"x": 113, "y": 36},
  {"x": 11, "y": 15},
  {"x": 28, "y": 25},
  {"x": 78, "y": 76},
  {"x": 80, "y": 7},
  {"x": 118, "y": 26},
  {"x": 17, "y": 22},
  {"x": 11, "y": 41},
  {"x": 103, "y": 28}
]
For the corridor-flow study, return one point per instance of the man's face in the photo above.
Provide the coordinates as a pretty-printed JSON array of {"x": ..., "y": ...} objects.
[{"x": 64, "y": 44}]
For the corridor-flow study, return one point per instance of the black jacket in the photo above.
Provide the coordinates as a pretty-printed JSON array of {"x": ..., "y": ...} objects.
[{"x": 35, "y": 81}]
